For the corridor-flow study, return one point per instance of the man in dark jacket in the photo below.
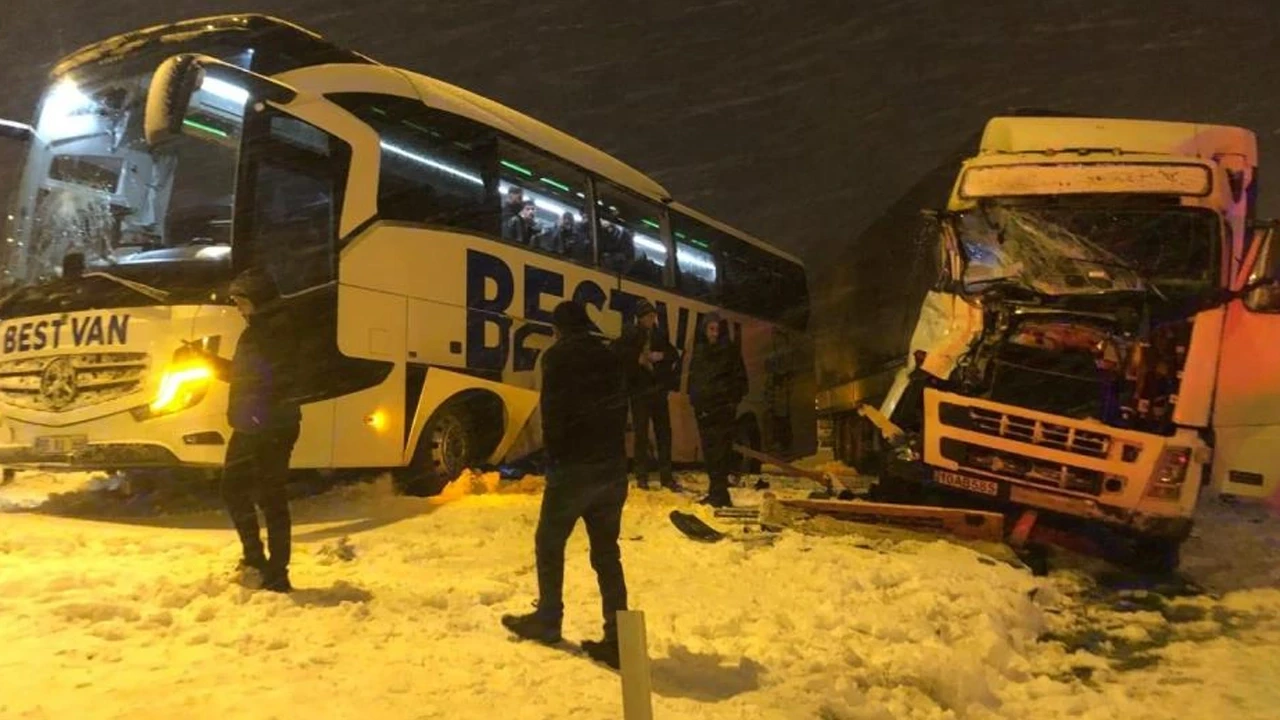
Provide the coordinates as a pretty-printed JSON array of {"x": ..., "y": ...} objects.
[
  {"x": 584, "y": 434},
  {"x": 265, "y": 420},
  {"x": 717, "y": 384},
  {"x": 653, "y": 370}
]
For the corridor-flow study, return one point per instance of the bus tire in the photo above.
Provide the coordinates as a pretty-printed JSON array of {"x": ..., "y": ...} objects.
[
  {"x": 747, "y": 434},
  {"x": 458, "y": 436}
]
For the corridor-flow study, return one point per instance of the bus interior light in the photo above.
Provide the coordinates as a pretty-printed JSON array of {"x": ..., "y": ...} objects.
[{"x": 224, "y": 90}]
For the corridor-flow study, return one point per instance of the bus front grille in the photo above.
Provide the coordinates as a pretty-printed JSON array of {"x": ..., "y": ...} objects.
[{"x": 70, "y": 382}]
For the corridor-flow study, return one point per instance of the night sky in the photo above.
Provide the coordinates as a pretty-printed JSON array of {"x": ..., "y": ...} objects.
[{"x": 798, "y": 121}]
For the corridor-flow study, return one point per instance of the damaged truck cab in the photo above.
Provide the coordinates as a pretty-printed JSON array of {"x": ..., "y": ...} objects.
[{"x": 1100, "y": 340}]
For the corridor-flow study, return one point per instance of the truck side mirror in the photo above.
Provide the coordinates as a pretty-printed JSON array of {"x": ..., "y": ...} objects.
[
  {"x": 1261, "y": 292},
  {"x": 12, "y": 130}
]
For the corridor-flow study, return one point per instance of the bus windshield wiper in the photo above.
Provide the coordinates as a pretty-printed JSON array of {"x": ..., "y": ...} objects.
[{"x": 141, "y": 288}]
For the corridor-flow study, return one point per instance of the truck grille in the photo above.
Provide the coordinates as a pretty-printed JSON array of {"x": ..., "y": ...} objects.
[
  {"x": 1026, "y": 429},
  {"x": 70, "y": 382},
  {"x": 1017, "y": 466}
]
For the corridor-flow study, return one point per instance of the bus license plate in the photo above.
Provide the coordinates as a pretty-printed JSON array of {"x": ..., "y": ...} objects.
[
  {"x": 60, "y": 444},
  {"x": 964, "y": 482}
]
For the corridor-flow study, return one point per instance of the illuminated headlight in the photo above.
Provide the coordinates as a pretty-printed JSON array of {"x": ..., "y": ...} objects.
[
  {"x": 183, "y": 384},
  {"x": 1171, "y": 474}
]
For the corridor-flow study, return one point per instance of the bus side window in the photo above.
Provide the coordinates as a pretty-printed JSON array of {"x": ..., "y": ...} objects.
[
  {"x": 697, "y": 274},
  {"x": 543, "y": 203},
  {"x": 297, "y": 175},
  {"x": 434, "y": 165},
  {"x": 629, "y": 235}
]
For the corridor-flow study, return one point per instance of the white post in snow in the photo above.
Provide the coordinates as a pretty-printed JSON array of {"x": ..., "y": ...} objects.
[{"x": 633, "y": 655}]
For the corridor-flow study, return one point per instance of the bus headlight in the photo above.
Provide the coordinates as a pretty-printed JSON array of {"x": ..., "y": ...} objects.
[{"x": 182, "y": 385}]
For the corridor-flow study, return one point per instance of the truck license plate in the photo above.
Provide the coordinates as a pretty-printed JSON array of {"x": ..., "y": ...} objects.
[
  {"x": 964, "y": 482},
  {"x": 60, "y": 444}
]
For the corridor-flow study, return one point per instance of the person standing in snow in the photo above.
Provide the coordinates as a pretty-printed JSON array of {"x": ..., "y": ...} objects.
[
  {"x": 265, "y": 421},
  {"x": 652, "y": 367},
  {"x": 584, "y": 417},
  {"x": 717, "y": 384}
]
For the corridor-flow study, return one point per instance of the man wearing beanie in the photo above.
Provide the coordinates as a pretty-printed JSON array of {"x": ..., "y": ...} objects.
[
  {"x": 652, "y": 368},
  {"x": 265, "y": 421},
  {"x": 584, "y": 423},
  {"x": 717, "y": 384}
]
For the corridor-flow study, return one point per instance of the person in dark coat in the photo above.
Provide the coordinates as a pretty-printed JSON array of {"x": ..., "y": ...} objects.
[
  {"x": 717, "y": 384},
  {"x": 265, "y": 421},
  {"x": 584, "y": 417},
  {"x": 653, "y": 370}
]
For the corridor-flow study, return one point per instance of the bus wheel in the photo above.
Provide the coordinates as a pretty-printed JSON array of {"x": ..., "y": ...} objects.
[
  {"x": 457, "y": 437},
  {"x": 748, "y": 435}
]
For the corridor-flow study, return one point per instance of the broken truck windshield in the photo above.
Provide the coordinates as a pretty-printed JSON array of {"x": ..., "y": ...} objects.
[{"x": 1065, "y": 250}]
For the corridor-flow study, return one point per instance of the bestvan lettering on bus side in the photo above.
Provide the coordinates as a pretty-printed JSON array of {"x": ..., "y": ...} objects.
[
  {"x": 62, "y": 333},
  {"x": 491, "y": 298}
]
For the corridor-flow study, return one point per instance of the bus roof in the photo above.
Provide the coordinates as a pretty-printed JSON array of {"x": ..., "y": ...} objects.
[
  {"x": 254, "y": 28},
  {"x": 329, "y": 79},
  {"x": 686, "y": 210},
  {"x": 1149, "y": 137}
]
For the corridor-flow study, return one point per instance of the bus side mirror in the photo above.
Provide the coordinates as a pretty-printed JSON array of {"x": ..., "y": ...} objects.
[
  {"x": 179, "y": 78},
  {"x": 21, "y": 132},
  {"x": 169, "y": 96}
]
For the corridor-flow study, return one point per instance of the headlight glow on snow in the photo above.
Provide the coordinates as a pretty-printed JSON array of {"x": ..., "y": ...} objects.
[{"x": 181, "y": 387}]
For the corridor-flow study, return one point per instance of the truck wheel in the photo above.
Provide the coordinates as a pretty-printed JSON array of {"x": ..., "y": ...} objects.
[
  {"x": 864, "y": 450},
  {"x": 1159, "y": 556},
  {"x": 448, "y": 445},
  {"x": 747, "y": 434}
]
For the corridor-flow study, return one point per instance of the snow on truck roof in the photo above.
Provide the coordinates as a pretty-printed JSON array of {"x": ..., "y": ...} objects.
[{"x": 1148, "y": 137}]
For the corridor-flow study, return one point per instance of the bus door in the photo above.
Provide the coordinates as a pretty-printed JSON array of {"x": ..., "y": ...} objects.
[
  {"x": 1246, "y": 413},
  {"x": 307, "y": 181}
]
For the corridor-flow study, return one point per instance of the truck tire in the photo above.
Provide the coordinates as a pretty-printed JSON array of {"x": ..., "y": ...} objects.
[
  {"x": 747, "y": 434},
  {"x": 1159, "y": 556}
]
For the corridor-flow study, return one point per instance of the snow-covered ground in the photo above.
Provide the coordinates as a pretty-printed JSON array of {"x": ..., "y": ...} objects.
[{"x": 396, "y": 616}]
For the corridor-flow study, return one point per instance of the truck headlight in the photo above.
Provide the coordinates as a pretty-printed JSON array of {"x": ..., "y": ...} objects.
[{"x": 1171, "y": 473}]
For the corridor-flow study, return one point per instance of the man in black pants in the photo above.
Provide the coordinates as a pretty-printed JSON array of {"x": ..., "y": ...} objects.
[
  {"x": 264, "y": 420},
  {"x": 584, "y": 432},
  {"x": 652, "y": 368},
  {"x": 717, "y": 384}
]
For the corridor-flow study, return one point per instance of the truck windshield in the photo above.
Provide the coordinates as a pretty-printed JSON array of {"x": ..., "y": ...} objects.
[{"x": 1066, "y": 250}]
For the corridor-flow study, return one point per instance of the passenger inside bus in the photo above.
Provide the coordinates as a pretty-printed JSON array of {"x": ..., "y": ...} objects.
[{"x": 522, "y": 228}]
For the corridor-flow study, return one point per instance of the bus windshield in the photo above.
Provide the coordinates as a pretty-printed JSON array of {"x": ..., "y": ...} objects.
[
  {"x": 93, "y": 186},
  {"x": 1066, "y": 250}
]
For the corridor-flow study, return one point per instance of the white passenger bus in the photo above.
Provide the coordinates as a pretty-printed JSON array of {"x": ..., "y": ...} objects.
[{"x": 422, "y": 234}]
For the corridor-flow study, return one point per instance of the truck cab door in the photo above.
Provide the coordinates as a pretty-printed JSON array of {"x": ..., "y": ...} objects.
[
  {"x": 946, "y": 328},
  {"x": 1246, "y": 412}
]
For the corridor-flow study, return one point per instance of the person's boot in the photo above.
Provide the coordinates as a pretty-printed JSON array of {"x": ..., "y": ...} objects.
[
  {"x": 603, "y": 651},
  {"x": 716, "y": 500},
  {"x": 534, "y": 626},
  {"x": 642, "y": 482},
  {"x": 671, "y": 484},
  {"x": 253, "y": 561},
  {"x": 276, "y": 579}
]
